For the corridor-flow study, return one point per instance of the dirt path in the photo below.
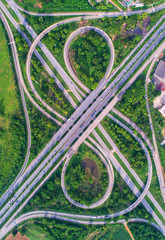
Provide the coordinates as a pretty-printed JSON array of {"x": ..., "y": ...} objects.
[
  {"x": 18, "y": 236},
  {"x": 128, "y": 230}
]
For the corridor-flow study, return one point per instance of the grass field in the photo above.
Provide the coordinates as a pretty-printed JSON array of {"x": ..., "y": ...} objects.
[
  {"x": 116, "y": 233},
  {"x": 12, "y": 131}
]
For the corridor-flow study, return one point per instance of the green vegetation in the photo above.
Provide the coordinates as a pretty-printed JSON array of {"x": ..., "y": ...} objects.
[
  {"x": 141, "y": 231},
  {"x": 40, "y": 23},
  {"x": 51, "y": 229},
  {"x": 51, "y": 197},
  {"x": 48, "y": 89},
  {"x": 149, "y": 1},
  {"x": 127, "y": 144},
  {"x": 103, "y": 5},
  {"x": 42, "y": 130},
  {"x": 55, "y": 5},
  {"x": 117, "y": 233},
  {"x": 86, "y": 177},
  {"x": 133, "y": 105},
  {"x": 90, "y": 56},
  {"x": 45, "y": 85},
  {"x": 12, "y": 130},
  {"x": 158, "y": 121},
  {"x": 122, "y": 32}
]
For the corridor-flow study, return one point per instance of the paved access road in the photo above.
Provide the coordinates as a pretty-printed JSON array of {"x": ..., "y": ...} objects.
[
  {"x": 109, "y": 168},
  {"x": 156, "y": 153},
  {"x": 56, "y": 215},
  {"x": 102, "y": 14},
  {"x": 73, "y": 35}
]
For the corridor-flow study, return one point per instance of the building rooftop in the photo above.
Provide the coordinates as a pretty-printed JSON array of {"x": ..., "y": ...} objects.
[
  {"x": 159, "y": 75},
  {"x": 162, "y": 110},
  {"x": 127, "y": 1}
]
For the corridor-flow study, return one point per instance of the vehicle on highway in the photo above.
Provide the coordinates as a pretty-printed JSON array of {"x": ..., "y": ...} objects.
[{"x": 93, "y": 113}]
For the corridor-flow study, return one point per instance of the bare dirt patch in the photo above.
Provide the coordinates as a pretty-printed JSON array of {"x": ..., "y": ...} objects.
[
  {"x": 142, "y": 30},
  {"x": 128, "y": 230},
  {"x": 18, "y": 236},
  {"x": 163, "y": 131},
  {"x": 83, "y": 23},
  {"x": 89, "y": 163},
  {"x": 38, "y": 4}
]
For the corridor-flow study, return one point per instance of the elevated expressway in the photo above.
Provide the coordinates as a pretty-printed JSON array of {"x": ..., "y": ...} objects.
[
  {"x": 79, "y": 141},
  {"x": 108, "y": 107}
]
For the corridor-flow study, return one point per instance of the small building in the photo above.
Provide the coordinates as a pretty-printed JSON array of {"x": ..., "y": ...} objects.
[
  {"x": 162, "y": 110},
  {"x": 163, "y": 142},
  {"x": 139, "y": 4},
  {"x": 159, "y": 76}
]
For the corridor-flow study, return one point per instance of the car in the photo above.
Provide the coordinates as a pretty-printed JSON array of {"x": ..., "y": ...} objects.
[
  {"x": 93, "y": 113},
  {"x": 74, "y": 133},
  {"x": 68, "y": 120},
  {"x": 60, "y": 152},
  {"x": 12, "y": 200}
]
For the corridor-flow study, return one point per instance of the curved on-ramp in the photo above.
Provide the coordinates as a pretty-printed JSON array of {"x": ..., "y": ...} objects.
[
  {"x": 110, "y": 183},
  {"x": 156, "y": 157},
  {"x": 103, "y": 14},
  {"x": 69, "y": 218},
  {"x": 74, "y": 34},
  {"x": 19, "y": 77}
]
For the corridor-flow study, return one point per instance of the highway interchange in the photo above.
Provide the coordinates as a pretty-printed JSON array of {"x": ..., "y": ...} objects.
[{"x": 72, "y": 134}]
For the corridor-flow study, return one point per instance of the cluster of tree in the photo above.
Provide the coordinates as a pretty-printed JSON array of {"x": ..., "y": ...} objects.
[
  {"x": 121, "y": 30},
  {"x": 143, "y": 231},
  {"x": 90, "y": 57},
  {"x": 42, "y": 130},
  {"x": 55, "y": 40},
  {"x": 127, "y": 144},
  {"x": 82, "y": 185},
  {"x": 11, "y": 155},
  {"x": 54, "y": 229},
  {"x": 133, "y": 105},
  {"x": 22, "y": 46},
  {"x": 48, "y": 89},
  {"x": 41, "y": 23},
  {"x": 55, "y": 5},
  {"x": 103, "y": 5}
]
